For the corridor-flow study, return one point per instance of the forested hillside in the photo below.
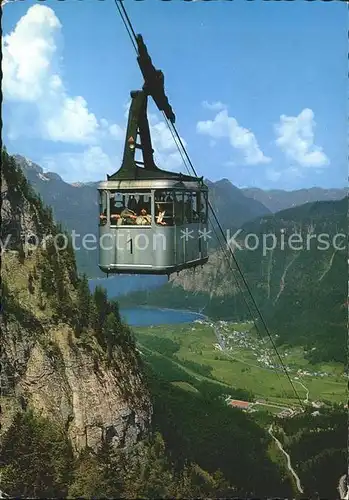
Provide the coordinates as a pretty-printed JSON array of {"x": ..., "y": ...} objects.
[
  {"x": 317, "y": 443},
  {"x": 299, "y": 281},
  {"x": 82, "y": 415}
]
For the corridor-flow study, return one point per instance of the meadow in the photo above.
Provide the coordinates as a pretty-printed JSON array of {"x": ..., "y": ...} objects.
[{"x": 187, "y": 355}]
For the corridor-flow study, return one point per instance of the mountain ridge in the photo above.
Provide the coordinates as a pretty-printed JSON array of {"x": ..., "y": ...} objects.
[
  {"x": 280, "y": 199},
  {"x": 301, "y": 291},
  {"x": 76, "y": 207}
]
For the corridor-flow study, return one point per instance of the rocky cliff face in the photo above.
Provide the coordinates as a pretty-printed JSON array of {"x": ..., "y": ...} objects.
[
  {"x": 213, "y": 279},
  {"x": 309, "y": 241},
  {"x": 46, "y": 364},
  {"x": 63, "y": 381}
]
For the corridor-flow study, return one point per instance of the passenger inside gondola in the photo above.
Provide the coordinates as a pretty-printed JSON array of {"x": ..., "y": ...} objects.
[
  {"x": 120, "y": 215},
  {"x": 103, "y": 216},
  {"x": 132, "y": 204},
  {"x": 160, "y": 215},
  {"x": 128, "y": 217},
  {"x": 144, "y": 218},
  {"x": 201, "y": 213},
  {"x": 189, "y": 209},
  {"x": 167, "y": 207},
  {"x": 115, "y": 211}
]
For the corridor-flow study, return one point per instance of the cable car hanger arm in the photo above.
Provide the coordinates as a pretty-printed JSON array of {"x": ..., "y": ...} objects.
[
  {"x": 138, "y": 125},
  {"x": 154, "y": 80}
]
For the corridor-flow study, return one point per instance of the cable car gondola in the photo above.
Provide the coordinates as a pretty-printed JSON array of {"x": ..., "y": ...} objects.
[
  {"x": 147, "y": 186},
  {"x": 151, "y": 221}
]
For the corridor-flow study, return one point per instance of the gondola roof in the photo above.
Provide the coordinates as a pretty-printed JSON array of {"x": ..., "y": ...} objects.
[{"x": 139, "y": 173}]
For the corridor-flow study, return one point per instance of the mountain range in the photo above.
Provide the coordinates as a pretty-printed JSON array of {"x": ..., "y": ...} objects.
[
  {"x": 298, "y": 278},
  {"x": 278, "y": 199},
  {"x": 76, "y": 205},
  {"x": 301, "y": 292}
]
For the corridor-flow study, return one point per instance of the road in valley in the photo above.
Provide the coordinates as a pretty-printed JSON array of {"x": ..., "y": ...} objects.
[
  {"x": 342, "y": 488},
  {"x": 289, "y": 465},
  {"x": 306, "y": 389}
]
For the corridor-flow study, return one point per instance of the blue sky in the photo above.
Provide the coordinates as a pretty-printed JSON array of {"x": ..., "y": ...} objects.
[{"x": 259, "y": 88}]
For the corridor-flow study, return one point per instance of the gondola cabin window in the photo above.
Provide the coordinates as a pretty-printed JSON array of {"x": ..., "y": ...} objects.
[
  {"x": 169, "y": 207},
  {"x": 130, "y": 208},
  {"x": 202, "y": 207},
  {"x": 179, "y": 208},
  {"x": 163, "y": 201},
  {"x": 103, "y": 203},
  {"x": 190, "y": 207}
]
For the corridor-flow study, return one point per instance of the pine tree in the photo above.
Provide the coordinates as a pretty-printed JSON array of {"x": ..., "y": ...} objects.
[
  {"x": 35, "y": 273},
  {"x": 5, "y": 298},
  {"x": 110, "y": 333},
  {"x": 37, "y": 458},
  {"x": 71, "y": 262},
  {"x": 30, "y": 283},
  {"x": 41, "y": 302},
  {"x": 21, "y": 252},
  {"x": 84, "y": 304},
  {"x": 98, "y": 475},
  {"x": 101, "y": 303},
  {"x": 114, "y": 308},
  {"x": 47, "y": 280},
  {"x": 148, "y": 473},
  {"x": 111, "y": 480},
  {"x": 86, "y": 481}
]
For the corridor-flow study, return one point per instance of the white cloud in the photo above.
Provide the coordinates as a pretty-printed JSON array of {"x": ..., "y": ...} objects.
[
  {"x": 31, "y": 75},
  {"x": 94, "y": 163},
  {"x": 240, "y": 138},
  {"x": 91, "y": 165},
  {"x": 72, "y": 122},
  {"x": 272, "y": 174},
  {"x": 172, "y": 161},
  {"x": 214, "y": 106},
  {"x": 161, "y": 134},
  {"x": 289, "y": 174},
  {"x": 296, "y": 139},
  {"x": 41, "y": 107},
  {"x": 27, "y": 55},
  {"x": 166, "y": 153},
  {"x": 230, "y": 163},
  {"x": 104, "y": 123},
  {"x": 127, "y": 108},
  {"x": 117, "y": 132}
]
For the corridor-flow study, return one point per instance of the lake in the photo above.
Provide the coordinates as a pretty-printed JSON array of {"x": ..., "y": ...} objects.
[
  {"x": 148, "y": 316},
  {"x": 143, "y": 316},
  {"x": 124, "y": 284}
]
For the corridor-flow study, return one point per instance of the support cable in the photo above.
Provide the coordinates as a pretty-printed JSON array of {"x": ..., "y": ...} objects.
[{"x": 128, "y": 25}]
